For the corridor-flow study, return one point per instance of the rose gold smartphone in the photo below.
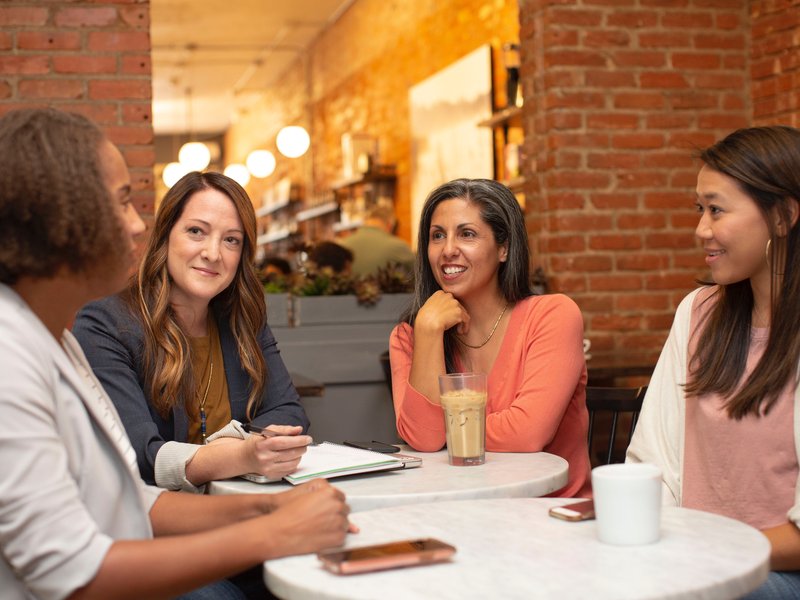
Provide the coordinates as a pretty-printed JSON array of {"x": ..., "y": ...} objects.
[
  {"x": 404, "y": 553},
  {"x": 577, "y": 511}
]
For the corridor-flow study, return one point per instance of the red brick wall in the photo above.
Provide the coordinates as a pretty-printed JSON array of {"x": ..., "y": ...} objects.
[
  {"x": 91, "y": 58},
  {"x": 620, "y": 93},
  {"x": 775, "y": 61}
]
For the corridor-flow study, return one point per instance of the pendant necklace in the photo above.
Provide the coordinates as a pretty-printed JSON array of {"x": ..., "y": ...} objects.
[
  {"x": 205, "y": 395},
  {"x": 491, "y": 333}
]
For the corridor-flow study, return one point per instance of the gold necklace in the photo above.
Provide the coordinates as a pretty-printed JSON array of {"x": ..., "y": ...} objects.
[
  {"x": 205, "y": 395},
  {"x": 491, "y": 333}
]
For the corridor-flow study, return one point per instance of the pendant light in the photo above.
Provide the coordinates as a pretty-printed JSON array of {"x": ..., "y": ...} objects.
[
  {"x": 260, "y": 163},
  {"x": 293, "y": 141},
  {"x": 239, "y": 173},
  {"x": 194, "y": 155},
  {"x": 173, "y": 172}
]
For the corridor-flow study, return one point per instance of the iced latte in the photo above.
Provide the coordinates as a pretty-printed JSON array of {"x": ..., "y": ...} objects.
[{"x": 465, "y": 425}]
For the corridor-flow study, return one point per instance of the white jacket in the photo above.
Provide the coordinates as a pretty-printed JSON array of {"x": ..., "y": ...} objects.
[
  {"x": 69, "y": 484},
  {"x": 659, "y": 435}
]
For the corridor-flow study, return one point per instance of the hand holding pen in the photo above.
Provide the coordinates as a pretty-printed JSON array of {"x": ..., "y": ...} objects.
[{"x": 275, "y": 451}]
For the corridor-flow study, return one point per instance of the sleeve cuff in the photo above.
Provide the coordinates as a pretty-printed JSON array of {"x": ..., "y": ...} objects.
[
  {"x": 234, "y": 429},
  {"x": 170, "y": 467}
]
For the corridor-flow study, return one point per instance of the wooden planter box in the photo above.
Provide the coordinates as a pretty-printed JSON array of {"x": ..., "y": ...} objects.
[{"x": 278, "y": 309}]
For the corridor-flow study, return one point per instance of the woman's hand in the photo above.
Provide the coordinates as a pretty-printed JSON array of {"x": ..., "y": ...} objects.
[
  {"x": 441, "y": 312},
  {"x": 284, "y": 498},
  {"x": 312, "y": 517},
  {"x": 276, "y": 456}
]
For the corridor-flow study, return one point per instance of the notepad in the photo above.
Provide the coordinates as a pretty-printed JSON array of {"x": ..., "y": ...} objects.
[{"x": 327, "y": 460}]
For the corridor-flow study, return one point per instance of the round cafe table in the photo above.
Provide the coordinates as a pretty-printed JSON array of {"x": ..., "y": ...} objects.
[
  {"x": 511, "y": 548},
  {"x": 504, "y": 475}
]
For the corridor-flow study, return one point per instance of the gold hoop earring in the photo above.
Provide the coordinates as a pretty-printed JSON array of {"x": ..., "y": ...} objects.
[{"x": 767, "y": 252}]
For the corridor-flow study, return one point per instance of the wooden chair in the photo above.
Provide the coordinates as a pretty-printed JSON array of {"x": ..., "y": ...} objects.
[
  {"x": 616, "y": 402},
  {"x": 387, "y": 370}
]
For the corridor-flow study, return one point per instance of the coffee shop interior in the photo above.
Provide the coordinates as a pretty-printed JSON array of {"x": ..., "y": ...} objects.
[
  {"x": 591, "y": 112},
  {"x": 322, "y": 109}
]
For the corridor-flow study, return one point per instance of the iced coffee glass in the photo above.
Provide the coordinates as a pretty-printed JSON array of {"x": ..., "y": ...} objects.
[{"x": 463, "y": 398}]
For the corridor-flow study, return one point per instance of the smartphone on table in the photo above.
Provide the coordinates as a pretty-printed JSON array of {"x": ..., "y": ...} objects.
[
  {"x": 577, "y": 511},
  {"x": 375, "y": 446},
  {"x": 405, "y": 553}
]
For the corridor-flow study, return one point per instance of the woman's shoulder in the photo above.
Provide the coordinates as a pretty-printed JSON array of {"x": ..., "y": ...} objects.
[
  {"x": 110, "y": 313},
  {"x": 702, "y": 298},
  {"x": 549, "y": 303}
]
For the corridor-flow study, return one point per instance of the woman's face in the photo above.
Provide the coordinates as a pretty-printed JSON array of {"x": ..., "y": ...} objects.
[
  {"x": 462, "y": 250},
  {"x": 732, "y": 229},
  {"x": 118, "y": 182},
  {"x": 204, "y": 248}
]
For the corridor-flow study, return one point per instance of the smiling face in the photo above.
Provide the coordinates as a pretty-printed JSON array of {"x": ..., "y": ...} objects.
[
  {"x": 732, "y": 229},
  {"x": 204, "y": 249},
  {"x": 462, "y": 250}
]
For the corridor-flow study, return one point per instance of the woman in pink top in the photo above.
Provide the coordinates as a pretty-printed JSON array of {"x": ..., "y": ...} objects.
[
  {"x": 721, "y": 413},
  {"x": 474, "y": 310}
]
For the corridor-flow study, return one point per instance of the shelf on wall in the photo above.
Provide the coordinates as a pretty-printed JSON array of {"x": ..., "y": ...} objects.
[
  {"x": 337, "y": 227},
  {"x": 275, "y": 236},
  {"x": 515, "y": 184},
  {"x": 269, "y": 209},
  {"x": 511, "y": 116},
  {"x": 379, "y": 173},
  {"x": 316, "y": 211}
]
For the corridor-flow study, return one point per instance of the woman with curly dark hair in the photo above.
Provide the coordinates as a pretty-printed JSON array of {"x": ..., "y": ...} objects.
[{"x": 77, "y": 520}]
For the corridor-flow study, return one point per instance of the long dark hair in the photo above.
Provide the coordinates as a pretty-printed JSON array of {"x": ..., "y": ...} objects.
[
  {"x": 765, "y": 163},
  {"x": 166, "y": 348},
  {"x": 501, "y": 211}
]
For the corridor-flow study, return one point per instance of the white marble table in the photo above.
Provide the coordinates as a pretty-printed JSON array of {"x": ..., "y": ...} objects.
[
  {"x": 504, "y": 475},
  {"x": 510, "y": 548}
]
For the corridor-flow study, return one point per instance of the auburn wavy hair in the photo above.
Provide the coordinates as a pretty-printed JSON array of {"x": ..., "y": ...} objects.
[{"x": 166, "y": 352}]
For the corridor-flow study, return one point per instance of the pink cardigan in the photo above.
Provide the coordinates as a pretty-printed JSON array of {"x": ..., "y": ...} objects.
[{"x": 537, "y": 389}]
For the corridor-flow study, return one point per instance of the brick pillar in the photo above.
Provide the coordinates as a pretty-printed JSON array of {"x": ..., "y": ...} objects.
[
  {"x": 94, "y": 60},
  {"x": 775, "y": 56},
  {"x": 617, "y": 96}
]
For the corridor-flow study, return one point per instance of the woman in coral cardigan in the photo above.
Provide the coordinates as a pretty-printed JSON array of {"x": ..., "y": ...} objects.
[{"x": 474, "y": 310}]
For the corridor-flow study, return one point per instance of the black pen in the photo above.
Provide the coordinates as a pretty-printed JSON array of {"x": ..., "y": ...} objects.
[{"x": 257, "y": 429}]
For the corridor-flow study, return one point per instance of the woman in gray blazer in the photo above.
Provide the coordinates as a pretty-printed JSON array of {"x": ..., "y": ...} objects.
[
  {"x": 185, "y": 352},
  {"x": 76, "y": 520}
]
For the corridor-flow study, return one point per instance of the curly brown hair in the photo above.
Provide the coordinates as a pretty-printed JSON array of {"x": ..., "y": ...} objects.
[
  {"x": 55, "y": 208},
  {"x": 166, "y": 347}
]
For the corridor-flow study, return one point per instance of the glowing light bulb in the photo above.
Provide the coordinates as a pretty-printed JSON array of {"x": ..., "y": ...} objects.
[
  {"x": 293, "y": 141},
  {"x": 195, "y": 155},
  {"x": 239, "y": 173},
  {"x": 261, "y": 163},
  {"x": 173, "y": 172}
]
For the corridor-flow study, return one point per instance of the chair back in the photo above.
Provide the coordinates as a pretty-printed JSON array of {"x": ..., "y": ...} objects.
[
  {"x": 387, "y": 370},
  {"x": 615, "y": 407}
]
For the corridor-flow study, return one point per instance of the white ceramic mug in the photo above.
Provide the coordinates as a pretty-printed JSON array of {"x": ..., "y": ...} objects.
[{"x": 627, "y": 503}]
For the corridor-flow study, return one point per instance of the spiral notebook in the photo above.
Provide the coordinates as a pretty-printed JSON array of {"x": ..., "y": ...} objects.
[{"x": 327, "y": 460}]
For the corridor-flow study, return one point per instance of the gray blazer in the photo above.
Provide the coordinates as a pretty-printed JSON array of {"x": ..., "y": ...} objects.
[
  {"x": 112, "y": 339},
  {"x": 69, "y": 486}
]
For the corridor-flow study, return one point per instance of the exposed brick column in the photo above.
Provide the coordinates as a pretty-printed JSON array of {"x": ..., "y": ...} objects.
[
  {"x": 775, "y": 56},
  {"x": 617, "y": 95},
  {"x": 94, "y": 60}
]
